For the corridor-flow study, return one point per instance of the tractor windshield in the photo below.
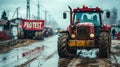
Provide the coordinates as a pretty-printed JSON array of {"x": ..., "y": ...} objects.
[{"x": 82, "y": 17}]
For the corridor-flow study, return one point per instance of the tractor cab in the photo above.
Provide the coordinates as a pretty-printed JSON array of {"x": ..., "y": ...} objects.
[{"x": 85, "y": 16}]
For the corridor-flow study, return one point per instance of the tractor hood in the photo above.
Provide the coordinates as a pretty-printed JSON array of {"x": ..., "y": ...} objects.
[
  {"x": 85, "y": 24},
  {"x": 85, "y": 30}
]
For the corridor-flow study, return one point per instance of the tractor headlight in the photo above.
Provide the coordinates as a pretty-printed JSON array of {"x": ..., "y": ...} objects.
[
  {"x": 91, "y": 35},
  {"x": 61, "y": 30},
  {"x": 55, "y": 31},
  {"x": 73, "y": 36}
]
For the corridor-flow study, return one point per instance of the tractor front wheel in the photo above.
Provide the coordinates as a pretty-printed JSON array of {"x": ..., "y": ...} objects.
[
  {"x": 104, "y": 44},
  {"x": 63, "y": 48}
]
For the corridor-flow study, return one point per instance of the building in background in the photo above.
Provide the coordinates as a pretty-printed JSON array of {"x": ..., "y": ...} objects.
[
  {"x": 5, "y": 32},
  {"x": 14, "y": 26}
]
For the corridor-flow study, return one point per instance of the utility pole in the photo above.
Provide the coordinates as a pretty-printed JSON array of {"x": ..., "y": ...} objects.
[
  {"x": 49, "y": 19},
  {"x": 28, "y": 10},
  {"x": 38, "y": 13},
  {"x": 45, "y": 17},
  {"x": 17, "y": 11}
]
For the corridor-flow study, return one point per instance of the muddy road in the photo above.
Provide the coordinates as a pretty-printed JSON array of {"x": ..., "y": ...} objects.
[
  {"x": 44, "y": 54},
  {"x": 85, "y": 58}
]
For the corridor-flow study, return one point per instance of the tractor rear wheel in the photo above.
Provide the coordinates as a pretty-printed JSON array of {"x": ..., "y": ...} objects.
[
  {"x": 39, "y": 35},
  {"x": 36, "y": 35},
  {"x": 63, "y": 48},
  {"x": 104, "y": 44},
  {"x": 20, "y": 35}
]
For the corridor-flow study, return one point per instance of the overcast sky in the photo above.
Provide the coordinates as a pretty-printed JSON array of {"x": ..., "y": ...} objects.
[{"x": 55, "y": 8}]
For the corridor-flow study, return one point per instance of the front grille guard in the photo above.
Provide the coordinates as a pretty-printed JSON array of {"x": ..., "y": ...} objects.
[{"x": 82, "y": 33}]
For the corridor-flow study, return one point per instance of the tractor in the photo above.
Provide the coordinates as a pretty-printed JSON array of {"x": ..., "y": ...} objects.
[
  {"x": 31, "y": 29},
  {"x": 86, "y": 31},
  {"x": 48, "y": 31}
]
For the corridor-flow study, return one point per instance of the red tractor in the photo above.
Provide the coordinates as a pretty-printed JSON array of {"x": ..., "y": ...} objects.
[
  {"x": 48, "y": 31},
  {"x": 31, "y": 29},
  {"x": 86, "y": 31}
]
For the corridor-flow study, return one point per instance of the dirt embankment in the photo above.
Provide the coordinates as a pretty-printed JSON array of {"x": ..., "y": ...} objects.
[{"x": 11, "y": 44}]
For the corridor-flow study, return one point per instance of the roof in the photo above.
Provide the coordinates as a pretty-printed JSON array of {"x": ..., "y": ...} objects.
[
  {"x": 3, "y": 22},
  {"x": 86, "y": 9},
  {"x": 15, "y": 21}
]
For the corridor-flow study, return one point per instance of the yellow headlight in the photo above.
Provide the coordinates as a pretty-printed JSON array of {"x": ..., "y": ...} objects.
[
  {"x": 55, "y": 31},
  {"x": 73, "y": 35},
  {"x": 91, "y": 35}
]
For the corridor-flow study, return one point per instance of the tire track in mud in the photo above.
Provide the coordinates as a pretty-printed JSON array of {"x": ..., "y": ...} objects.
[
  {"x": 79, "y": 62},
  {"x": 48, "y": 57},
  {"x": 24, "y": 64},
  {"x": 11, "y": 44},
  {"x": 115, "y": 53},
  {"x": 86, "y": 62},
  {"x": 115, "y": 64},
  {"x": 30, "y": 61},
  {"x": 89, "y": 62}
]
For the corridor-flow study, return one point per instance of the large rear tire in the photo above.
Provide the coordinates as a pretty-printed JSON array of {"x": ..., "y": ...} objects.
[
  {"x": 39, "y": 35},
  {"x": 104, "y": 44},
  {"x": 63, "y": 48},
  {"x": 20, "y": 35}
]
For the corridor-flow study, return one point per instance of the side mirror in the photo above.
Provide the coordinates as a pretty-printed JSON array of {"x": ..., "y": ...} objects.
[
  {"x": 64, "y": 15},
  {"x": 108, "y": 14}
]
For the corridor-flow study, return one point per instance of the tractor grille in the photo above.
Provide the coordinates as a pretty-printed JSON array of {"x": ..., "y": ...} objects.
[{"x": 82, "y": 33}]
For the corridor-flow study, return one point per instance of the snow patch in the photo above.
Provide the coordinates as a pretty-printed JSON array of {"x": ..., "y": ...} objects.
[{"x": 87, "y": 53}]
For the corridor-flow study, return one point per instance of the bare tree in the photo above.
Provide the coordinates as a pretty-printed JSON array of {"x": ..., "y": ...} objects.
[{"x": 114, "y": 16}]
